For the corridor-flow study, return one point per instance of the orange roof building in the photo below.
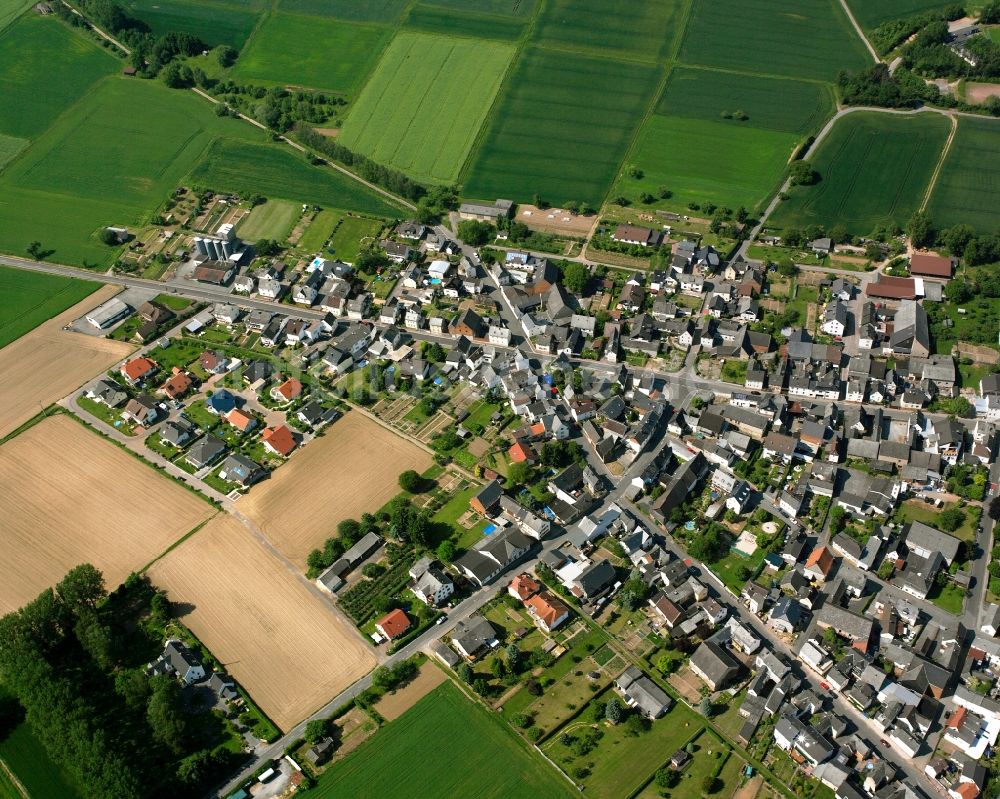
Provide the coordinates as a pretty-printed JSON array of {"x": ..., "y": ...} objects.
[
  {"x": 820, "y": 562},
  {"x": 178, "y": 385},
  {"x": 288, "y": 390},
  {"x": 547, "y": 610},
  {"x": 138, "y": 369},
  {"x": 520, "y": 453},
  {"x": 925, "y": 264},
  {"x": 523, "y": 586},
  {"x": 393, "y": 624},
  {"x": 279, "y": 440},
  {"x": 240, "y": 420}
]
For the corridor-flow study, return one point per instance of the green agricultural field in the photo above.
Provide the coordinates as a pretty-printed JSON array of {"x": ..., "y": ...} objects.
[
  {"x": 874, "y": 168},
  {"x": 10, "y": 146},
  {"x": 352, "y": 10},
  {"x": 455, "y": 22},
  {"x": 810, "y": 39},
  {"x": 968, "y": 187},
  {"x": 247, "y": 168},
  {"x": 561, "y": 128},
  {"x": 779, "y": 104},
  {"x": 11, "y": 10},
  {"x": 103, "y": 163},
  {"x": 315, "y": 52},
  {"x": 510, "y": 8},
  {"x": 696, "y": 146},
  {"x": 872, "y": 13},
  {"x": 425, "y": 103},
  {"x": 272, "y": 220},
  {"x": 25, "y": 756},
  {"x": 648, "y": 30},
  {"x": 45, "y": 67},
  {"x": 484, "y": 757},
  {"x": 353, "y": 233},
  {"x": 213, "y": 22},
  {"x": 29, "y": 298},
  {"x": 319, "y": 230},
  {"x": 701, "y": 162}
]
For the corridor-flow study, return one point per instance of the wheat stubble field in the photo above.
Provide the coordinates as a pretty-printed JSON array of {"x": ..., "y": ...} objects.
[
  {"x": 283, "y": 643},
  {"x": 354, "y": 468},
  {"x": 76, "y": 498}
]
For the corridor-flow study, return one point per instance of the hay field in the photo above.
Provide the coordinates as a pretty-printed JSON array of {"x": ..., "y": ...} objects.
[
  {"x": 282, "y": 642},
  {"x": 47, "y": 363},
  {"x": 76, "y": 499},
  {"x": 425, "y": 102},
  {"x": 352, "y": 469}
]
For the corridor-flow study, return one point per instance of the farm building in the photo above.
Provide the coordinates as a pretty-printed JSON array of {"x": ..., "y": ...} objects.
[{"x": 930, "y": 265}]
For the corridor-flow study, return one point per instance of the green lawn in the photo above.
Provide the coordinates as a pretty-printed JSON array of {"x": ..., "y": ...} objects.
[
  {"x": 874, "y": 170},
  {"x": 968, "y": 187},
  {"x": 561, "y": 128},
  {"x": 352, "y": 234},
  {"x": 812, "y": 39},
  {"x": 734, "y": 371},
  {"x": 621, "y": 764},
  {"x": 45, "y": 67},
  {"x": 27, "y": 759},
  {"x": 482, "y": 758},
  {"x": 212, "y": 22},
  {"x": 272, "y": 220},
  {"x": 458, "y": 22},
  {"x": 648, "y": 30},
  {"x": 425, "y": 102},
  {"x": 949, "y": 598},
  {"x": 319, "y": 230},
  {"x": 916, "y": 510},
  {"x": 277, "y": 173},
  {"x": 312, "y": 51},
  {"x": 29, "y": 298}
]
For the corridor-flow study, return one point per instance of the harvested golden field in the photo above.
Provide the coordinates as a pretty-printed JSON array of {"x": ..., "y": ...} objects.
[
  {"x": 352, "y": 469},
  {"x": 47, "y": 363},
  {"x": 74, "y": 498},
  {"x": 279, "y": 639}
]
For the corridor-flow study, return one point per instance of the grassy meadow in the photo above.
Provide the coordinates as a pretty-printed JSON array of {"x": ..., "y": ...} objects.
[
  {"x": 809, "y": 39},
  {"x": 272, "y": 220},
  {"x": 423, "y": 106},
  {"x": 562, "y": 127},
  {"x": 874, "y": 169},
  {"x": 484, "y": 758},
  {"x": 351, "y": 10},
  {"x": 624, "y": 28},
  {"x": 456, "y": 22},
  {"x": 312, "y": 51},
  {"x": 968, "y": 187},
  {"x": 277, "y": 173},
  {"x": 511, "y": 8},
  {"x": 25, "y": 756},
  {"x": 213, "y": 22},
  {"x": 29, "y": 298},
  {"x": 11, "y": 9},
  {"x": 45, "y": 67}
]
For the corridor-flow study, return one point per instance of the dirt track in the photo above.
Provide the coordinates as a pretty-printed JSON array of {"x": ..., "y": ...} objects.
[
  {"x": 77, "y": 498},
  {"x": 47, "y": 363},
  {"x": 350, "y": 470}
]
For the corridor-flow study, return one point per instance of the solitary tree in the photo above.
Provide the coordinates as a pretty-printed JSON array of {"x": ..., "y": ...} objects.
[
  {"x": 614, "y": 711},
  {"x": 410, "y": 481},
  {"x": 316, "y": 730}
]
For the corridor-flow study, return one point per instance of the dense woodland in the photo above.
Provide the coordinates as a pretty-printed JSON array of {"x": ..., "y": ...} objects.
[{"x": 75, "y": 658}]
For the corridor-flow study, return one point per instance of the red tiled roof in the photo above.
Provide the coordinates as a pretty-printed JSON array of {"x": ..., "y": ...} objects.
[
  {"x": 394, "y": 623},
  {"x": 239, "y": 419},
  {"x": 821, "y": 557},
  {"x": 177, "y": 385},
  {"x": 892, "y": 288},
  {"x": 137, "y": 368},
  {"x": 957, "y": 718},
  {"x": 290, "y": 389},
  {"x": 280, "y": 439},
  {"x": 523, "y": 586},
  {"x": 546, "y": 608},
  {"x": 930, "y": 265},
  {"x": 519, "y": 453}
]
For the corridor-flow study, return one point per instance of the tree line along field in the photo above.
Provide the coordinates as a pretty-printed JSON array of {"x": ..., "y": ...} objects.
[
  {"x": 245, "y": 167},
  {"x": 874, "y": 169},
  {"x": 807, "y": 39},
  {"x": 425, "y": 102},
  {"x": 44, "y": 68},
  {"x": 720, "y": 137},
  {"x": 312, "y": 51},
  {"x": 564, "y": 122},
  {"x": 211, "y": 21},
  {"x": 968, "y": 186},
  {"x": 29, "y": 298},
  {"x": 872, "y": 13},
  {"x": 622, "y": 28},
  {"x": 484, "y": 758}
]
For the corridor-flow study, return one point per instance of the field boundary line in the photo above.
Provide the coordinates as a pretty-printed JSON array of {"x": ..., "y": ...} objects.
[
  {"x": 177, "y": 543},
  {"x": 14, "y": 780},
  {"x": 932, "y": 184},
  {"x": 752, "y": 73},
  {"x": 858, "y": 30}
]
